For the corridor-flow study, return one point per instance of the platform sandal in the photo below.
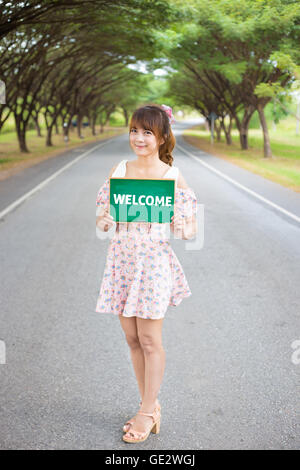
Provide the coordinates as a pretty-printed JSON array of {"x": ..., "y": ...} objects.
[
  {"x": 130, "y": 422},
  {"x": 140, "y": 436}
]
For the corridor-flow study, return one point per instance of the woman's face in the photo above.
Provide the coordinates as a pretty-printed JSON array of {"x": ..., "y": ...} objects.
[{"x": 143, "y": 141}]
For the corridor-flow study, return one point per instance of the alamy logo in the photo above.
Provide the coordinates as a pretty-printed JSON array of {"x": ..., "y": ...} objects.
[
  {"x": 2, "y": 352},
  {"x": 195, "y": 243},
  {"x": 2, "y": 93}
]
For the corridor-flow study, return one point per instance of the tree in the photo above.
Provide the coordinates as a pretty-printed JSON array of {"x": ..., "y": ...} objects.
[
  {"x": 42, "y": 39},
  {"x": 233, "y": 50}
]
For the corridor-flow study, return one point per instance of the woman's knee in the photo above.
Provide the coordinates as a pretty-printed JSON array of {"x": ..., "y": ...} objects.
[
  {"x": 150, "y": 343},
  {"x": 130, "y": 330},
  {"x": 133, "y": 341}
]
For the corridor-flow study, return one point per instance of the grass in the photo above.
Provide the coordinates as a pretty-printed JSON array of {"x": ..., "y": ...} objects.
[
  {"x": 12, "y": 160},
  {"x": 282, "y": 168}
]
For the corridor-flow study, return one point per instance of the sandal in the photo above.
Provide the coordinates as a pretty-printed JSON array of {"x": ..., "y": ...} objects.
[
  {"x": 130, "y": 422},
  {"x": 141, "y": 436}
]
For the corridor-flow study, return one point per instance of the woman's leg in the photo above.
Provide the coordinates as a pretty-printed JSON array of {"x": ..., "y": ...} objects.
[
  {"x": 129, "y": 327},
  {"x": 150, "y": 338}
]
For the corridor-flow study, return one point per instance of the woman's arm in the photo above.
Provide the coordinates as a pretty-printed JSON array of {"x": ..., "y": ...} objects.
[
  {"x": 190, "y": 228},
  {"x": 104, "y": 221},
  {"x": 183, "y": 227}
]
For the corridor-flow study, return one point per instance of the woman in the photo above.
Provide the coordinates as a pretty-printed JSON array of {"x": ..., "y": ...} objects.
[{"x": 143, "y": 275}]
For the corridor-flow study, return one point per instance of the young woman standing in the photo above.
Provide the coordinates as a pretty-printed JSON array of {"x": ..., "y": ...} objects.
[{"x": 143, "y": 275}]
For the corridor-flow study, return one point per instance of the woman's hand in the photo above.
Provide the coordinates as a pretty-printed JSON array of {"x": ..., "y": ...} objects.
[
  {"x": 105, "y": 221},
  {"x": 177, "y": 225},
  {"x": 183, "y": 228}
]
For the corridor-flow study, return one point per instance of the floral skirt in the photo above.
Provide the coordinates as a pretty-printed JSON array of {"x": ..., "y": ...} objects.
[{"x": 141, "y": 278}]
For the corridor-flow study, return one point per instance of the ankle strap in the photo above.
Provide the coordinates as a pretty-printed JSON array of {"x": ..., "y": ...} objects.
[{"x": 147, "y": 414}]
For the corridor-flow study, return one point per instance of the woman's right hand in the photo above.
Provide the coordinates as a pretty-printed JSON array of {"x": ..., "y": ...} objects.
[{"x": 105, "y": 221}]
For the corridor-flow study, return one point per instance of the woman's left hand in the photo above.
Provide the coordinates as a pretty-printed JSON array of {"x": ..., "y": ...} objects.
[{"x": 177, "y": 224}]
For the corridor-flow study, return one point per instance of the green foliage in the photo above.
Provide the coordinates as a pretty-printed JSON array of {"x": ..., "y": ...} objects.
[
  {"x": 277, "y": 111},
  {"x": 268, "y": 89},
  {"x": 216, "y": 53},
  {"x": 117, "y": 119},
  {"x": 283, "y": 61},
  {"x": 233, "y": 74}
]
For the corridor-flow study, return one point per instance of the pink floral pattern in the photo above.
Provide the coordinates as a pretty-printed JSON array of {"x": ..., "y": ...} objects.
[{"x": 142, "y": 274}]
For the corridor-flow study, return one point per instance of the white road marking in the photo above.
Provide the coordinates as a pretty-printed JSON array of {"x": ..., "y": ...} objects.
[
  {"x": 239, "y": 185},
  {"x": 23, "y": 198}
]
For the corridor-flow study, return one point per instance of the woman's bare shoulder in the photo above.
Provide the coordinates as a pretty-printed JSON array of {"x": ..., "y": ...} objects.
[{"x": 112, "y": 170}]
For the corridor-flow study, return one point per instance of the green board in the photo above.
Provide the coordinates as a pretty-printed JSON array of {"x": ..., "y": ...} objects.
[{"x": 141, "y": 200}]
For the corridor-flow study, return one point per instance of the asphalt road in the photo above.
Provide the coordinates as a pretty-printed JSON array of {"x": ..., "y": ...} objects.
[{"x": 231, "y": 379}]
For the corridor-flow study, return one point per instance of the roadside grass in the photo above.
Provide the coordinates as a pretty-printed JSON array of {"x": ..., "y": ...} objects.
[
  {"x": 282, "y": 168},
  {"x": 11, "y": 159}
]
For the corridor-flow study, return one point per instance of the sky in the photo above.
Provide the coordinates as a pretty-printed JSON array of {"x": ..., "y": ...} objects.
[{"x": 141, "y": 66}]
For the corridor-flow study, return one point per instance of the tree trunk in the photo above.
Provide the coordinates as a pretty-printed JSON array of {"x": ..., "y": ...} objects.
[
  {"x": 93, "y": 123},
  {"x": 22, "y": 142},
  {"x": 227, "y": 131},
  {"x": 264, "y": 126},
  {"x": 21, "y": 132},
  {"x": 218, "y": 132},
  {"x": 49, "y": 136},
  {"x": 93, "y": 126},
  {"x": 244, "y": 137},
  {"x": 79, "y": 121},
  {"x": 126, "y": 117},
  {"x": 37, "y": 126},
  {"x": 244, "y": 134},
  {"x": 244, "y": 126},
  {"x": 67, "y": 125},
  {"x": 56, "y": 128}
]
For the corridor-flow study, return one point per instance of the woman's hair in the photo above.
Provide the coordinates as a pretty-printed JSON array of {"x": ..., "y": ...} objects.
[{"x": 155, "y": 119}]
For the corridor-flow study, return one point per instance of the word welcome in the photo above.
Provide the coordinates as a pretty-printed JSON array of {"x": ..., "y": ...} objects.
[{"x": 149, "y": 200}]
